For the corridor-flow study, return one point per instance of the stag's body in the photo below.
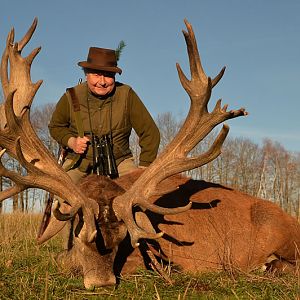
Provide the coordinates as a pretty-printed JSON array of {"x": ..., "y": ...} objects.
[{"x": 224, "y": 230}]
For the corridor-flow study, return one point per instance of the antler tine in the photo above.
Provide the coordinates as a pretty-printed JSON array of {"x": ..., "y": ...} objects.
[
  {"x": 23, "y": 42},
  {"x": 174, "y": 159},
  {"x": 196, "y": 68},
  {"x": 218, "y": 77},
  {"x": 4, "y": 75},
  {"x": 18, "y": 79},
  {"x": 19, "y": 140}
]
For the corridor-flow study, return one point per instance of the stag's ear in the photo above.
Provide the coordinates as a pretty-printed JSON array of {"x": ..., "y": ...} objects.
[
  {"x": 55, "y": 224},
  {"x": 143, "y": 222},
  {"x": 54, "y": 227}
]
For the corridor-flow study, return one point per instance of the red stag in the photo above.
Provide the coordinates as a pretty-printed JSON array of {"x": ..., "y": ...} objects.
[{"x": 193, "y": 225}]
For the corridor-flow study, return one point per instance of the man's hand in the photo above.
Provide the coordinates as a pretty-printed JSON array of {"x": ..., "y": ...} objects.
[{"x": 78, "y": 144}]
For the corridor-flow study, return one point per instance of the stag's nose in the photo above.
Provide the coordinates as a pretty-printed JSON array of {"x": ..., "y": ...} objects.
[{"x": 93, "y": 282}]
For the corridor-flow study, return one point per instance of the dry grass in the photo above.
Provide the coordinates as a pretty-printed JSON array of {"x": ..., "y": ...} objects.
[{"x": 28, "y": 271}]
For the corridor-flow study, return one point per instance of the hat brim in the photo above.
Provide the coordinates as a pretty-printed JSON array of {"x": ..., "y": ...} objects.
[{"x": 85, "y": 64}]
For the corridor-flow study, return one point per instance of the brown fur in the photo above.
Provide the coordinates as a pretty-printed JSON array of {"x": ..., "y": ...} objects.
[{"x": 224, "y": 229}]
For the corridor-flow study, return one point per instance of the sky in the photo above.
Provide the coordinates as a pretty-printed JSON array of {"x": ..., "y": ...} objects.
[{"x": 257, "y": 40}]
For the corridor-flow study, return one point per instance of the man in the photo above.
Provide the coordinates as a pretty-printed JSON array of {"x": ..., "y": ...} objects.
[{"x": 99, "y": 107}]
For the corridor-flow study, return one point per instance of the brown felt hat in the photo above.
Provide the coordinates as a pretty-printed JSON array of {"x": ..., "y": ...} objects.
[{"x": 101, "y": 59}]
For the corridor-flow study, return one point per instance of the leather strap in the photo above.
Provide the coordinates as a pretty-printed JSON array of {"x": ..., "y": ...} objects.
[
  {"x": 73, "y": 99},
  {"x": 76, "y": 108}
]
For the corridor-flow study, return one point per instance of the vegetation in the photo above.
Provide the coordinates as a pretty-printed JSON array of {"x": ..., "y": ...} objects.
[{"x": 29, "y": 271}]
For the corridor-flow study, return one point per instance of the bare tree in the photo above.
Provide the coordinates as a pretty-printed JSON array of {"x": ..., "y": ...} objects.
[
  {"x": 168, "y": 127},
  {"x": 40, "y": 118},
  {"x": 135, "y": 147},
  {"x": 277, "y": 176}
]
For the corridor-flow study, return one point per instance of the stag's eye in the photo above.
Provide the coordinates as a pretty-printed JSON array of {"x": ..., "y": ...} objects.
[
  {"x": 106, "y": 216},
  {"x": 105, "y": 213}
]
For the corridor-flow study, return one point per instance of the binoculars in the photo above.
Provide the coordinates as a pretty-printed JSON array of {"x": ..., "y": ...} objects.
[{"x": 104, "y": 161}]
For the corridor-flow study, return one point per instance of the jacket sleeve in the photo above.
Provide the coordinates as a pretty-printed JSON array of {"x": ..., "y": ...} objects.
[
  {"x": 145, "y": 128},
  {"x": 59, "y": 126}
]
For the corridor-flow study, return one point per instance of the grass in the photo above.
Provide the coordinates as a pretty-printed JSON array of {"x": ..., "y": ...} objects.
[{"x": 28, "y": 271}]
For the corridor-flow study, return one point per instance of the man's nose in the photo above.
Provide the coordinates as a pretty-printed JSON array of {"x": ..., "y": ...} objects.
[{"x": 101, "y": 80}]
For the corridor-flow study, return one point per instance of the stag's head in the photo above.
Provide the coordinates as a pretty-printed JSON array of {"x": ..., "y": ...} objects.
[
  {"x": 95, "y": 259},
  {"x": 103, "y": 218}
]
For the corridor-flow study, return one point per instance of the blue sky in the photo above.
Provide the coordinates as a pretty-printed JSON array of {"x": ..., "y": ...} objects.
[{"x": 257, "y": 40}]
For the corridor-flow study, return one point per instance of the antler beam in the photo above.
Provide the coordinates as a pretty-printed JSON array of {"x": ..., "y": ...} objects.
[{"x": 174, "y": 159}]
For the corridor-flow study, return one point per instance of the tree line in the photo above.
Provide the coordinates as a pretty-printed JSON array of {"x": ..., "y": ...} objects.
[{"x": 267, "y": 171}]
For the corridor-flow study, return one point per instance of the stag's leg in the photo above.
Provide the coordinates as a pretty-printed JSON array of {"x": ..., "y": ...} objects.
[
  {"x": 279, "y": 266},
  {"x": 287, "y": 262}
]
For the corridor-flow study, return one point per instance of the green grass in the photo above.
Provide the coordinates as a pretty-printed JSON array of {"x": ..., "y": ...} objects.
[{"x": 28, "y": 271}]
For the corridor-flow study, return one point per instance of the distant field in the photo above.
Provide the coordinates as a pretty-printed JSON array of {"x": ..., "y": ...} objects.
[{"x": 28, "y": 271}]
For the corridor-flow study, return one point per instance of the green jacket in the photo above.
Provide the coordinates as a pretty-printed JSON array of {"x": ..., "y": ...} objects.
[{"x": 126, "y": 110}]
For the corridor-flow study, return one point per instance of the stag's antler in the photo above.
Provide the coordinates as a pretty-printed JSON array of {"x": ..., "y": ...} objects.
[
  {"x": 19, "y": 140},
  {"x": 174, "y": 159}
]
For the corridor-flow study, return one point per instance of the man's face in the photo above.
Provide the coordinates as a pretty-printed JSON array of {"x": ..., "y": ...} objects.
[{"x": 101, "y": 83}]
